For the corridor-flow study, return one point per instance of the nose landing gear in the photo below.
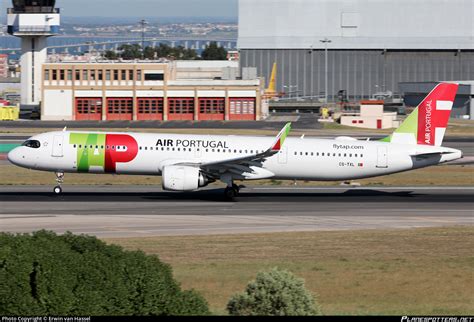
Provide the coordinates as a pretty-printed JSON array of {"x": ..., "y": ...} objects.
[{"x": 59, "y": 180}]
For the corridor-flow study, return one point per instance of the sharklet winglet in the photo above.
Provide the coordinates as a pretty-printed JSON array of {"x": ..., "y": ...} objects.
[{"x": 281, "y": 138}]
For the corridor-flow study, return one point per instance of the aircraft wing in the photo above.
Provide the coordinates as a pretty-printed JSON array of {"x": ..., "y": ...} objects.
[{"x": 248, "y": 165}]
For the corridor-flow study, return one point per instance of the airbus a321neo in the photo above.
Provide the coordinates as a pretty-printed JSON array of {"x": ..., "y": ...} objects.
[{"x": 189, "y": 162}]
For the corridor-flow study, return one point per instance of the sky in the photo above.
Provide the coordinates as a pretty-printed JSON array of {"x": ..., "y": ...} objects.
[{"x": 145, "y": 8}]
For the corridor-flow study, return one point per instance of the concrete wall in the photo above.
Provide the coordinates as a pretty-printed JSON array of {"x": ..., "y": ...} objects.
[{"x": 356, "y": 24}]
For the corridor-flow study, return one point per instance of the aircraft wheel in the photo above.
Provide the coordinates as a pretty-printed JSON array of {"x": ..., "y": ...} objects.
[
  {"x": 58, "y": 190},
  {"x": 236, "y": 188},
  {"x": 230, "y": 193}
]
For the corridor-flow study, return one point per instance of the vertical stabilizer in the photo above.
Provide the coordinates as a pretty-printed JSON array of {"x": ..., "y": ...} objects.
[{"x": 428, "y": 122}]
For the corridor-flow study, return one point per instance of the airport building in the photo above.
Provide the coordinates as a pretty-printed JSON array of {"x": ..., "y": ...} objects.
[
  {"x": 178, "y": 90},
  {"x": 369, "y": 46}
]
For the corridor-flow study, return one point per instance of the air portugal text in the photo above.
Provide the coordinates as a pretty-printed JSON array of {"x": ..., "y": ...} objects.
[{"x": 192, "y": 144}]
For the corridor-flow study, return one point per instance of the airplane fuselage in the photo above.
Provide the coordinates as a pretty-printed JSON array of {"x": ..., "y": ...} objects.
[{"x": 300, "y": 158}]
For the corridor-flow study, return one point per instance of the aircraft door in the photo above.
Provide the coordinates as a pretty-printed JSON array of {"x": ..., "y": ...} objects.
[
  {"x": 382, "y": 157},
  {"x": 283, "y": 156},
  {"x": 58, "y": 146}
]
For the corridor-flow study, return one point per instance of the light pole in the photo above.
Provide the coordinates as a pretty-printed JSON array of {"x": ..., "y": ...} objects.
[
  {"x": 326, "y": 41},
  {"x": 143, "y": 23}
]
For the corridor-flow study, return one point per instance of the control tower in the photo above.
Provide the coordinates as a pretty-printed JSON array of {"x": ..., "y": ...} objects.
[{"x": 33, "y": 21}]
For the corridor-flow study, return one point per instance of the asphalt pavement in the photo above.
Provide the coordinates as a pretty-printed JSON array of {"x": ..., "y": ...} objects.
[{"x": 131, "y": 211}]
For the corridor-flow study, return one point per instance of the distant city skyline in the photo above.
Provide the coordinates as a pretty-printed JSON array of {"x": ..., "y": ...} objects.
[{"x": 144, "y": 8}]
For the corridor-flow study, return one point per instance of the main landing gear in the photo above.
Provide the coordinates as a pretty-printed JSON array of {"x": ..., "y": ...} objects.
[
  {"x": 59, "y": 180},
  {"x": 232, "y": 192}
]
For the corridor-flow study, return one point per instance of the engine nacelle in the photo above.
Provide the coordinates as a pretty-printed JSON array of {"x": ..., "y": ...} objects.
[{"x": 183, "y": 178}]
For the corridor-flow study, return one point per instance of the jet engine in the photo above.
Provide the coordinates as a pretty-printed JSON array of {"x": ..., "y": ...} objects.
[{"x": 183, "y": 178}]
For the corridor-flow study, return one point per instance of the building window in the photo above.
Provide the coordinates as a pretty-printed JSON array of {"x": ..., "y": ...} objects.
[
  {"x": 116, "y": 75},
  {"x": 124, "y": 75},
  {"x": 181, "y": 105},
  {"x": 69, "y": 75},
  {"x": 150, "y": 105},
  {"x": 155, "y": 77},
  {"x": 78, "y": 75},
  {"x": 211, "y": 105},
  {"x": 89, "y": 105},
  {"x": 85, "y": 75},
  {"x": 46, "y": 74},
  {"x": 242, "y": 108},
  {"x": 130, "y": 74},
  {"x": 107, "y": 75},
  {"x": 62, "y": 75},
  {"x": 139, "y": 75},
  {"x": 93, "y": 75},
  {"x": 100, "y": 75},
  {"x": 54, "y": 75},
  {"x": 120, "y": 105}
]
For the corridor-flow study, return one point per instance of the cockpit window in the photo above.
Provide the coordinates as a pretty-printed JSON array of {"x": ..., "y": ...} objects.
[{"x": 34, "y": 144}]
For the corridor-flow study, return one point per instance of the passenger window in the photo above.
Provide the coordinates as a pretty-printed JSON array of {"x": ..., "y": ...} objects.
[
  {"x": 74, "y": 146},
  {"x": 322, "y": 154}
]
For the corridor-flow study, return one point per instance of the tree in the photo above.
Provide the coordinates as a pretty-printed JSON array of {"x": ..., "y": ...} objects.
[
  {"x": 47, "y": 274},
  {"x": 130, "y": 52},
  {"x": 111, "y": 55},
  {"x": 274, "y": 293},
  {"x": 214, "y": 52}
]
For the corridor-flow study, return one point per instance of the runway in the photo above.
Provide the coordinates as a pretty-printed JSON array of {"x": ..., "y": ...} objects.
[{"x": 130, "y": 211}]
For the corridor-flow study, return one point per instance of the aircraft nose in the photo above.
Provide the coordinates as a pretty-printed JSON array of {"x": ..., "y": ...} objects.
[{"x": 15, "y": 157}]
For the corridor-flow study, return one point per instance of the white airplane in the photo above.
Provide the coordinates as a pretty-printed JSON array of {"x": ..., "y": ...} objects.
[{"x": 189, "y": 162}]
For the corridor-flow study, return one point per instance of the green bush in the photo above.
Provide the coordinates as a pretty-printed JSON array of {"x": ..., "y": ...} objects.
[
  {"x": 274, "y": 293},
  {"x": 47, "y": 274}
]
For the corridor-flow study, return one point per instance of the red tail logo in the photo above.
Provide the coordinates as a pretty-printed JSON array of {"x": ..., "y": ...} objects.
[{"x": 434, "y": 113}]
